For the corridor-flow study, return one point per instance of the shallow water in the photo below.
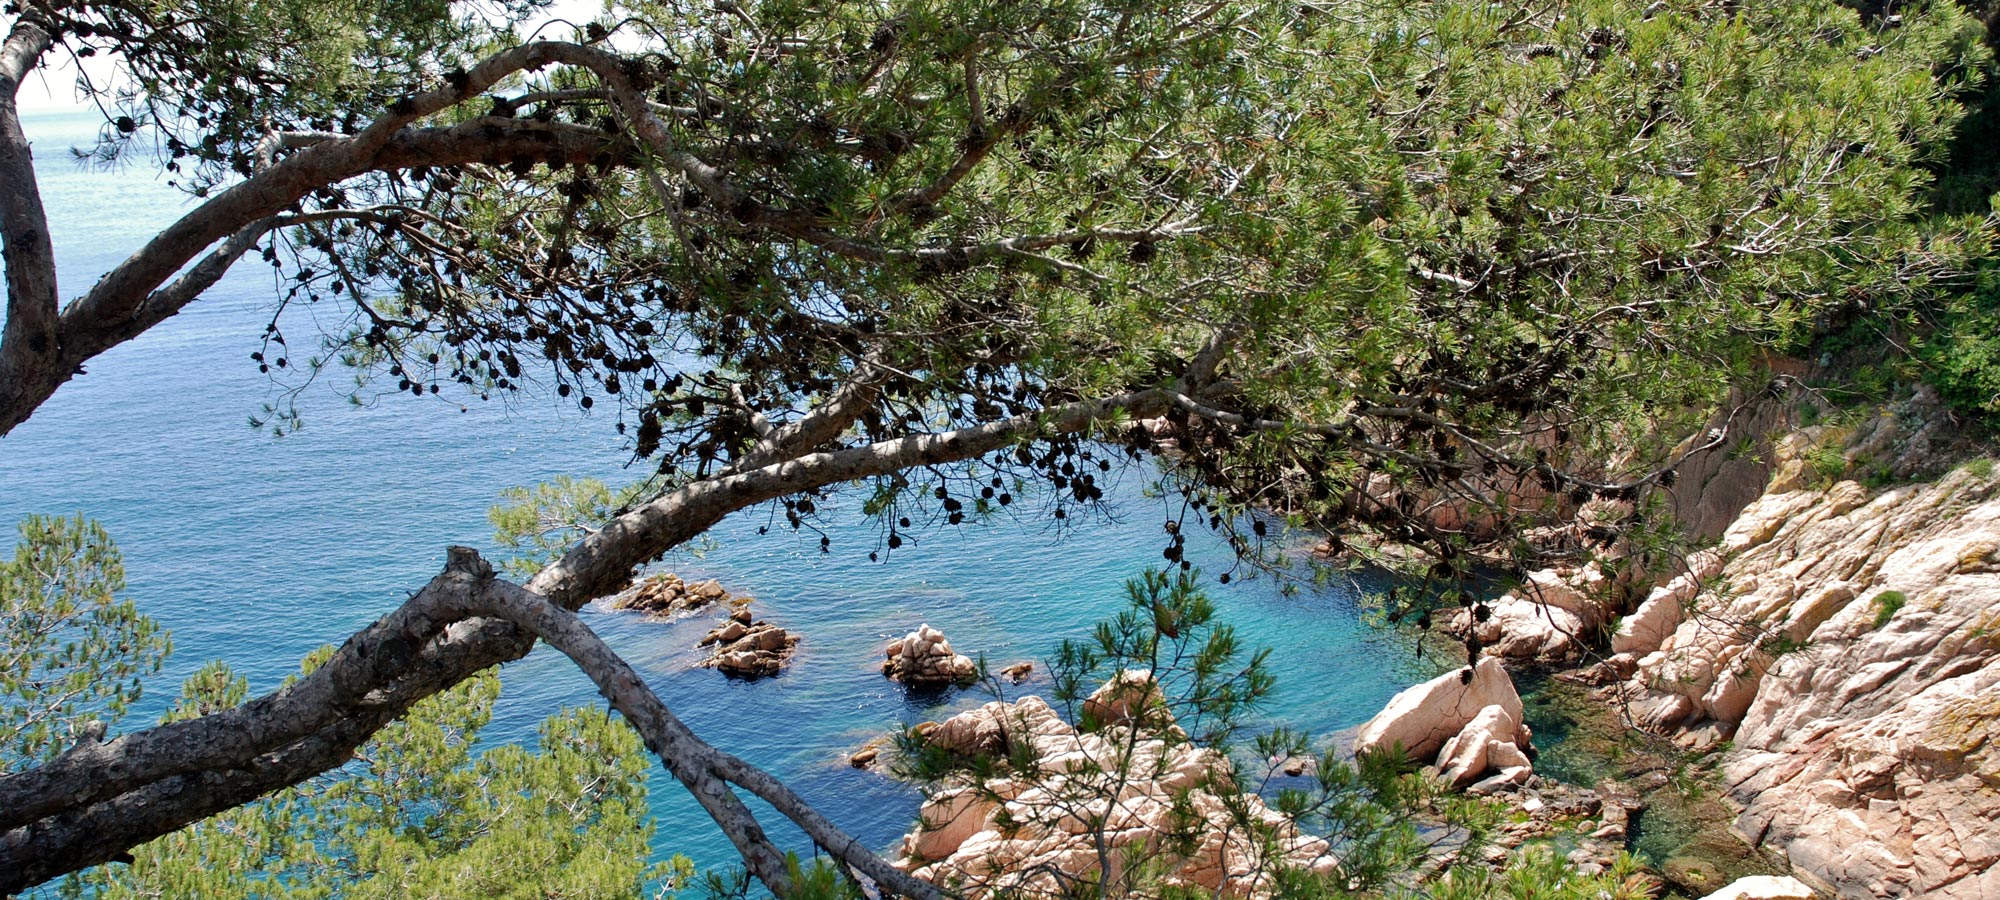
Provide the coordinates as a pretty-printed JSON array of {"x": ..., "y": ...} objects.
[
  {"x": 255, "y": 550},
  {"x": 1684, "y": 827}
]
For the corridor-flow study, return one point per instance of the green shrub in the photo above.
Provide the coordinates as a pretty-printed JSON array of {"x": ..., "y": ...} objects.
[
  {"x": 1886, "y": 604},
  {"x": 1962, "y": 355},
  {"x": 1827, "y": 463}
]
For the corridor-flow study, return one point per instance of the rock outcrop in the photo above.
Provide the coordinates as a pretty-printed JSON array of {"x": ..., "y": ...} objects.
[
  {"x": 747, "y": 648},
  {"x": 1665, "y": 607},
  {"x": 1469, "y": 722},
  {"x": 666, "y": 595},
  {"x": 1852, "y": 653},
  {"x": 1549, "y": 620},
  {"x": 1763, "y": 887},
  {"x": 1023, "y": 836},
  {"x": 1130, "y": 697},
  {"x": 925, "y": 658}
]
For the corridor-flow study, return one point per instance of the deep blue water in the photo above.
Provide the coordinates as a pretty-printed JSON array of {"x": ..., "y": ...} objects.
[{"x": 255, "y": 549}]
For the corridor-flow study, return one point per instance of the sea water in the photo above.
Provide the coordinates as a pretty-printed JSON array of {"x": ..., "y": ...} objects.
[{"x": 256, "y": 549}]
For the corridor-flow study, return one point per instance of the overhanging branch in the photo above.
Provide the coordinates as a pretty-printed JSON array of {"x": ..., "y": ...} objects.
[
  {"x": 99, "y": 800},
  {"x": 700, "y": 766}
]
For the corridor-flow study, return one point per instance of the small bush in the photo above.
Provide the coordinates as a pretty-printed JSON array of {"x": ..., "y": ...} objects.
[
  {"x": 1827, "y": 463},
  {"x": 1886, "y": 604},
  {"x": 1981, "y": 467},
  {"x": 1963, "y": 353}
]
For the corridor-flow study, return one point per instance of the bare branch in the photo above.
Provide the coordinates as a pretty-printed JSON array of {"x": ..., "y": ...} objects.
[
  {"x": 703, "y": 768},
  {"x": 104, "y": 318}
]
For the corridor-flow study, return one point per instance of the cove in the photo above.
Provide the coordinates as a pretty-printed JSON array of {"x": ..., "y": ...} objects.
[{"x": 255, "y": 550}]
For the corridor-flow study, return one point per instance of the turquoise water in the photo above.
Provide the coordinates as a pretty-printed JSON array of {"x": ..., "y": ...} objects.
[{"x": 255, "y": 550}]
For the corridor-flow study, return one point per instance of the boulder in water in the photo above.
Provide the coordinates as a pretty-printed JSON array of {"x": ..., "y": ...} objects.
[
  {"x": 1422, "y": 717},
  {"x": 925, "y": 658},
  {"x": 749, "y": 649},
  {"x": 666, "y": 595},
  {"x": 1468, "y": 722}
]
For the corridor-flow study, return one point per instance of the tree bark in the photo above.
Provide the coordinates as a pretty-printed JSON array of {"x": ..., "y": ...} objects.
[
  {"x": 705, "y": 770},
  {"x": 41, "y": 350},
  {"x": 30, "y": 347}
]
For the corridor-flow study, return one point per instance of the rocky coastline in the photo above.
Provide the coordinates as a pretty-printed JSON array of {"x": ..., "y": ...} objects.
[
  {"x": 1834, "y": 658},
  {"x": 1805, "y": 707}
]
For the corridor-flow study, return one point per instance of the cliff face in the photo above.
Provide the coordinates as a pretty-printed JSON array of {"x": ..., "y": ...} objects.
[{"x": 1850, "y": 647}]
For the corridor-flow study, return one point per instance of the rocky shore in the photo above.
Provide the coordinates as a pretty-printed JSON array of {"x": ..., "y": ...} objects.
[
  {"x": 1096, "y": 799},
  {"x": 1837, "y": 650},
  {"x": 1850, "y": 650}
]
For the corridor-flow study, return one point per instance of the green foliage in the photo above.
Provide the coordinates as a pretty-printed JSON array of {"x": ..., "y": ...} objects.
[
  {"x": 1210, "y": 682},
  {"x": 1827, "y": 463},
  {"x": 1980, "y": 467},
  {"x": 1886, "y": 605},
  {"x": 1610, "y": 192},
  {"x": 1968, "y": 174},
  {"x": 71, "y": 652},
  {"x": 539, "y": 523},
  {"x": 1778, "y": 643},
  {"x": 1962, "y": 353},
  {"x": 1602, "y": 212},
  {"x": 1537, "y": 873},
  {"x": 1948, "y": 340},
  {"x": 419, "y": 814}
]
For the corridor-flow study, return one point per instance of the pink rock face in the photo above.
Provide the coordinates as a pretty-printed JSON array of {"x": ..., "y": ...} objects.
[
  {"x": 1129, "y": 697},
  {"x": 1423, "y": 717},
  {"x": 1763, "y": 887},
  {"x": 1026, "y": 836},
  {"x": 1661, "y": 612},
  {"x": 1867, "y": 746}
]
